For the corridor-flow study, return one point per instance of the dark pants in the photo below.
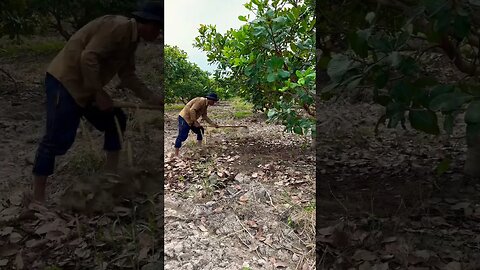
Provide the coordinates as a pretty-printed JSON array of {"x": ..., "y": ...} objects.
[
  {"x": 63, "y": 118},
  {"x": 184, "y": 129}
]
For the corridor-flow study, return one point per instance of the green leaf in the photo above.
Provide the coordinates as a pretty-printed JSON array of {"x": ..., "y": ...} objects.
[
  {"x": 382, "y": 99},
  {"x": 408, "y": 66},
  {"x": 472, "y": 115},
  {"x": 284, "y": 74},
  {"x": 449, "y": 101},
  {"x": 381, "y": 79},
  {"x": 338, "y": 66},
  {"x": 271, "y": 77},
  {"x": 425, "y": 81},
  {"x": 443, "y": 166},
  {"x": 461, "y": 26},
  {"x": 259, "y": 31},
  {"x": 380, "y": 44},
  {"x": 276, "y": 62},
  {"x": 443, "y": 21},
  {"x": 330, "y": 87},
  {"x": 280, "y": 19},
  {"x": 242, "y": 18},
  {"x": 395, "y": 112},
  {"x": 441, "y": 89},
  {"x": 354, "y": 82},
  {"x": 475, "y": 2},
  {"x": 370, "y": 17},
  {"x": 402, "y": 91},
  {"x": 424, "y": 120},
  {"x": 323, "y": 62},
  {"x": 358, "y": 44},
  {"x": 298, "y": 130},
  {"x": 395, "y": 59},
  {"x": 448, "y": 123}
]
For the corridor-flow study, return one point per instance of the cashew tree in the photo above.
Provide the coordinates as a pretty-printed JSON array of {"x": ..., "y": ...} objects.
[
  {"x": 271, "y": 59},
  {"x": 385, "y": 46}
]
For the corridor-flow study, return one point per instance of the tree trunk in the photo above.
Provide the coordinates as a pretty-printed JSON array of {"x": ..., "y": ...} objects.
[{"x": 472, "y": 163}]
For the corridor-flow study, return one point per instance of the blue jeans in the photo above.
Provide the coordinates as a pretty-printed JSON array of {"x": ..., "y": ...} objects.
[
  {"x": 184, "y": 129},
  {"x": 63, "y": 118}
]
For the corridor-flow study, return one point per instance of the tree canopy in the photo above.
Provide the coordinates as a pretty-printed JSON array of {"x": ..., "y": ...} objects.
[{"x": 271, "y": 59}]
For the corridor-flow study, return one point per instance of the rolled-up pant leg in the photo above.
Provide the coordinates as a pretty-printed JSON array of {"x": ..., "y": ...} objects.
[
  {"x": 199, "y": 131},
  {"x": 183, "y": 130},
  {"x": 105, "y": 122},
  {"x": 63, "y": 118}
]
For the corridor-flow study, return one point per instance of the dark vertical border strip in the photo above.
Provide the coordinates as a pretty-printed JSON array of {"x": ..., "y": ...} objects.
[
  {"x": 318, "y": 252},
  {"x": 161, "y": 203}
]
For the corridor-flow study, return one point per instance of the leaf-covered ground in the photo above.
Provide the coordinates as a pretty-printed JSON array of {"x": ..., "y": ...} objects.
[
  {"x": 245, "y": 199},
  {"x": 91, "y": 220},
  {"x": 383, "y": 204}
]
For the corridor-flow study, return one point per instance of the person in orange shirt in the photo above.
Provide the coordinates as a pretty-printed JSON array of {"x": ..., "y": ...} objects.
[
  {"x": 74, "y": 83},
  {"x": 188, "y": 119}
]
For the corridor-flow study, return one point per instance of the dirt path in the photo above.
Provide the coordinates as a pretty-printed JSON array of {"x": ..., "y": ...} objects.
[{"x": 243, "y": 200}]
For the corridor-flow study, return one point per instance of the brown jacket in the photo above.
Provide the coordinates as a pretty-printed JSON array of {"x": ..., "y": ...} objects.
[
  {"x": 94, "y": 54},
  {"x": 194, "y": 109}
]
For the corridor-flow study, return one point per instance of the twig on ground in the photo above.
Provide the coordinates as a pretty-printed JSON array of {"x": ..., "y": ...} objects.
[
  {"x": 339, "y": 202},
  {"x": 244, "y": 228}
]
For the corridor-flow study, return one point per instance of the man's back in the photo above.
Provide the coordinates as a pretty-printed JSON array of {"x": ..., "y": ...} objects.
[{"x": 112, "y": 39}]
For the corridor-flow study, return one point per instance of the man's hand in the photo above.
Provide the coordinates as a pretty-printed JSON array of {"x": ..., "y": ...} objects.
[
  {"x": 103, "y": 101},
  {"x": 197, "y": 124}
]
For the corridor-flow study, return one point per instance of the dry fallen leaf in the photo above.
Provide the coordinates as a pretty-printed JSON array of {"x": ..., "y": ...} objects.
[
  {"x": 363, "y": 255},
  {"x": 143, "y": 253},
  {"x": 365, "y": 266},
  {"x": 251, "y": 223},
  {"x": 389, "y": 239},
  {"x": 453, "y": 266},
  {"x": 82, "y": 253},
  {"x": 8, "y": 250},
  {"x": 33, "y": 243},
  {"x": 48, "y": 227},
  {"x": 202, "y": 228},
  {"x": 19, "y": 261},
  {"x": 3, "y": 262},
  {"x": 15, "y": 237},
  {"x": 380, "y": 266},
  {"x": 6, "y": 231},
  {"x": 122, "y": 211},
  {"x": 243, "y": 198}
]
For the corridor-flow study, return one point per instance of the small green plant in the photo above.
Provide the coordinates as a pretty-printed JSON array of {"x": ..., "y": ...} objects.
[
  {"x": 311, "y": 207},
  {"x": 32, "y": 47},
  {"x": 174, "y": 107},
  {"x": 290, "y": 223},
  {"x": 241, "y": 105},
  {"x": 242, "y": 114},
  {"x": 85, "y": 162}
]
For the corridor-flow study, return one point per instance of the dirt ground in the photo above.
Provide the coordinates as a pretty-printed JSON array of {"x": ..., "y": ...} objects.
[
  {"x": 382, "y": 203},
  {"x": 244, "y": 201},
  {"x": 91, "y": 220}
]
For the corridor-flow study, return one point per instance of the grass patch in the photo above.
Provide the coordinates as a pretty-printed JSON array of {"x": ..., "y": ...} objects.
[
  {"x": 85, "y": 162},
  {"x": 241, "y": 105},
  {"x": 174, "y": 107},
  {"x": 31, "y": 48},
  {"x": 242, "y": 114},
  {"x": 242, "y": 109}
]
